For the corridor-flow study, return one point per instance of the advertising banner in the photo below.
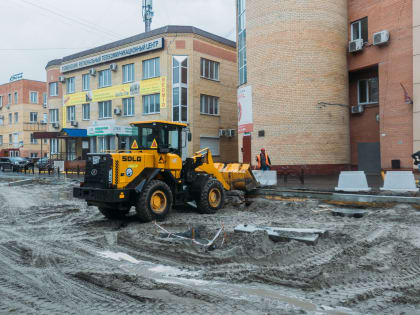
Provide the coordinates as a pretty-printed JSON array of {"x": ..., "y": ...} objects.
[
  {"x": 105, "y": 94},
  {"x": 245, "y": 110},
  {"x": 111, "y": 130}
]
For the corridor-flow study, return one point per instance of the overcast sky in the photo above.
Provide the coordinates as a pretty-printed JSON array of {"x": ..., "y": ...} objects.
[{"x": 34, "y": 32}]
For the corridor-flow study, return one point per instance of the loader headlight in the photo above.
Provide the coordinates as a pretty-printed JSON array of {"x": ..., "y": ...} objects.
[{"x": 110, "y": 176}]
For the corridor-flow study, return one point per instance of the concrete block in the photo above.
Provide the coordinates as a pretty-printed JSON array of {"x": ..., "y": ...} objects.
[
  {"x": 266, "y": 178},
  {"x": 400, "y": 181},
  {"x": 352, "y": 181}
]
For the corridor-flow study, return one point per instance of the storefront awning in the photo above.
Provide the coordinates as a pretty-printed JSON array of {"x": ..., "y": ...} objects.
[{"x": 74, "y": 133}]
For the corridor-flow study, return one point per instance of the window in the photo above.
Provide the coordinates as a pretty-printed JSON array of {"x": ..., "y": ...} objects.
[
  {"x": 106, "y": 143},
  {"x": 86, "y": 111},
  {"x": 71, "y": 113},
  {"x": 53, "y": 86},
  {"x": 34, "y": 155},
  {"x": 368, "y": 91},
  {"x": 128, "y": 106},
  {"x": 242, "y": 67},
  {"x": 34, "y": 97},
  {"x": 54, "y": 115},
  {"x": 16, "y": 118},
  {"x": 209, "y": 105},
  {"x": 359, "y": 30},
  {"x": 44, "y": 99},
  {"x": 105, "y": 110},
  {"x": 1, "y": 140},
  {"x": 10, "y": 139},
  {"x": 9, "y": 99},
  {"x": 151, "y": 68},
  {"x": 45, "y": 141},
  {"x": 1, "y": 101},
  {"x": 86, "y": 82},
  {"x": 33, "y": 140},
  {"x": 16, "y": 97},
  {"x": 212, "y": 143},
  {"x": 54, "y": 146},
  {"x": 45, "y": 119},
  {"x": 1, "y": 120},
  {"x": 180, "y": 88},
  {"x": 128, "y": 73},
  {"x": 10, "y": 118},
  {"x": 104, "y": 78},
  {"x": 209, "y": 69},
  {"x": 33, "y": 117},
  {"x": 151, "y": 104},
  {"x": 70, "y": 85}
]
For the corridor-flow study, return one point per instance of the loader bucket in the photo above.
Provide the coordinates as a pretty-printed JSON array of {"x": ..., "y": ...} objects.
[{"x": 238, "y": 176}]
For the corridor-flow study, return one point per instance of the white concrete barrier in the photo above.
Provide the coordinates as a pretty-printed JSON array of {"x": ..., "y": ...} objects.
[
  {"x": 352, "y": 182},
  {"x": 400, "y": 181},
  {"x": 266, "y": 178}
]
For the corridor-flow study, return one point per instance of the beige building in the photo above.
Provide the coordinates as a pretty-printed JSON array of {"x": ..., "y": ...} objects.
[
  {"x": 293, "y": 83},
  {"x": 416, "y": 74},
  {"x": 23, "y": 112},
  {"x": 175, "y": 73}
]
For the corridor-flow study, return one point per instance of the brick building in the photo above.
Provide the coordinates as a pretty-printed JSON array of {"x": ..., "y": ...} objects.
[
  {"x": 416, "y": 74},
  {"x": 22, "y": 113},
  {"x": 314, "y": 104},
  {"x": 175, "y": 73}
]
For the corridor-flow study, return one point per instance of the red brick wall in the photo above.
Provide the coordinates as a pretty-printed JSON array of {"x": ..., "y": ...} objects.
[
  {"x": 363, "y": 127},
  {"x": 23, "y": 87},
  {"x": 213, "y": 51},
  {"x": 395, "y": 66}
]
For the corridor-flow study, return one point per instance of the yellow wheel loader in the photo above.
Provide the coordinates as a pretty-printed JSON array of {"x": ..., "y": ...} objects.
[{"x": 152, "y": 176}]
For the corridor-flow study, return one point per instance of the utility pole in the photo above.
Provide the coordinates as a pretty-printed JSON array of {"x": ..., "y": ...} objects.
[{"x": 147, "y": 12}]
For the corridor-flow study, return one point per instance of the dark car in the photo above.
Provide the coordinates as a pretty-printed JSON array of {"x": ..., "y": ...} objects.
[
  {"x": 44, "y": 163},
  {"x": 12, "y": 163}
]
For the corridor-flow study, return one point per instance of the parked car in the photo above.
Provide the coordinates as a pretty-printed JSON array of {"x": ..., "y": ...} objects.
[
  {"x": 44, "y": 163},
  {"x": 12, "y": 163}
]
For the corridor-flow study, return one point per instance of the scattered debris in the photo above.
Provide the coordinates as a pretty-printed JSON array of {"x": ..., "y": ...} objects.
[
  {"x": 308, "y": 236},
  {"x": 356, "y": 213},
  {"x": 194, "y": 235}
]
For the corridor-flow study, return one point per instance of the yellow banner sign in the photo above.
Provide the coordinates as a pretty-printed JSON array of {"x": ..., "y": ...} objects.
[
  {"x": 146, "y": 87},
  {"x": 105, "y": 94}
]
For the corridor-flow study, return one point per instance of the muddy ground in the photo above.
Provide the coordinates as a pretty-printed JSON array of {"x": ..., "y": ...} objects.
[{"x": 59, "y": 256}]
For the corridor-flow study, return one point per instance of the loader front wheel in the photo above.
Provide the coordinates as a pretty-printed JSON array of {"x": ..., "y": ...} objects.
[
  {"x": 155, "y": 202},
  {"x": 212, "y": 197},
  {"x": 111, "y": 213}
]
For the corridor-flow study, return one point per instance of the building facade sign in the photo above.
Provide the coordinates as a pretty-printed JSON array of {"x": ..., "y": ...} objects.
[
  {"x": 111, "y": 130},
  {"x": 245, "y": 110},
  {"x": 104, "y": 94},
  {"x": 154, "y": 86},
  {"x": 114, "y": 55},
  {"x": 16, "y": 77}
]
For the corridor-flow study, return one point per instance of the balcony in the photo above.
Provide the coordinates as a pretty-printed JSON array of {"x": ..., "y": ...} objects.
[{"x": 35, "y": 126}]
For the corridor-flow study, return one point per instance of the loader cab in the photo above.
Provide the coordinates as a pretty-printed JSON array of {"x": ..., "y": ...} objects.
[{"x": 163, "y": 136}]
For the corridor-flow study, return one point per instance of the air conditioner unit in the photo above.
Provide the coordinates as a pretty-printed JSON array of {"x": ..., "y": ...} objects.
[
  {"x": 8, "y": 106},
  {"x": 113, "y": 67},
  {"x": 380, "y": 38},
  {"x": 92, "y": 72},
  {"x": 43, "y": 122},
  {"x": 74, "y": 123},
  {"x": 62, "y": 79},
  {"x": 1, "y": 106},
  {"x": 356, "y": 45},
  {"x": 231, "y": 132},
  {"x": 117, "y": 111},
  {"x": 222, "y": 132},
  {"x": 357, "y": 109},
  {"x": 44, "y": 105},
  {"x": 56, "y": 125}
]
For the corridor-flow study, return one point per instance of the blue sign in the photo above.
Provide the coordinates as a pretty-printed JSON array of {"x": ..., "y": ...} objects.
[{"x": 17, "y": 76}]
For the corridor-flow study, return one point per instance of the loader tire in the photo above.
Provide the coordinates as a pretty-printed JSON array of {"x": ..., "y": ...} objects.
[
  {"x": 155, "y": 202},
  {"x": 211, "y": 198},
  {"x": 111, "y": 213}
]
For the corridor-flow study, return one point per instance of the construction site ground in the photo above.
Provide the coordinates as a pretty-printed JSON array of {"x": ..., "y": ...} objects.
[{"x": 59, "y": 256}]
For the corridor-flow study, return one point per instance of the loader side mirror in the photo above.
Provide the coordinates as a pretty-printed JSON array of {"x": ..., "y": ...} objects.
[{"x": 189, "y": 137}]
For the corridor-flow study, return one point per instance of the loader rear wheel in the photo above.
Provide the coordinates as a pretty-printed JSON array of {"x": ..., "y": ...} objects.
[
  {"x": 212, "y": 197},
  {"x": 112, "y": 213},
  {"x": 155, "y": 202}
]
